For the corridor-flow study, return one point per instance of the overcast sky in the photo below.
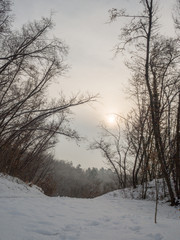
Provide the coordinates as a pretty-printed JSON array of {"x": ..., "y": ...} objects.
[{"x": 82, "y": 25}]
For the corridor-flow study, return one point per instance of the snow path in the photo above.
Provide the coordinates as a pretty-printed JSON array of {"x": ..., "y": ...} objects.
[
  {"x": 27, "y": 214},
  {"x": 107, "y": 217}
]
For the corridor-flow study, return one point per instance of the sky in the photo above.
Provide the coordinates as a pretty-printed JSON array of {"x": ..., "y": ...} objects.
[{"x": 83, "y": 26}]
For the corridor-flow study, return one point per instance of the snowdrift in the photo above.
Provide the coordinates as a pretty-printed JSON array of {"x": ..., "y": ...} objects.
[
  {"x": 14, "y": 187},
  {"x": 138, "y": 192}
]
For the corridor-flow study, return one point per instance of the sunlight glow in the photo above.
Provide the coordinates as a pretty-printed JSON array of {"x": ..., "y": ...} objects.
[{"x": 111, "y": 119}]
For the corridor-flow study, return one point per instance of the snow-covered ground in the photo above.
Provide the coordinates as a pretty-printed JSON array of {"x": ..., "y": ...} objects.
[{"x": 27, "y": 214}]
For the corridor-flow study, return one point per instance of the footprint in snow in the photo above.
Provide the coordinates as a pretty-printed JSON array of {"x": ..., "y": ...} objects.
[
  {"x": 156, "y": 236},
  {"x": 135, "y": 228},
  {"x": 46, "y": 233},
  {"x": 45, "y": 223},
  {"x": 94, "y": 223}
]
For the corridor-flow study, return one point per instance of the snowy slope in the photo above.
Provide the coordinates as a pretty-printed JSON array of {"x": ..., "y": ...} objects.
[
  {"x": 14, "y": 187},
  {"x": 34, "y": 216}
]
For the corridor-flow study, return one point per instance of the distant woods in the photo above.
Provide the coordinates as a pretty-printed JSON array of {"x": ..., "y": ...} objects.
[
  {"x": 63, "y": 179},
  {"x": 147, "y": 146}
]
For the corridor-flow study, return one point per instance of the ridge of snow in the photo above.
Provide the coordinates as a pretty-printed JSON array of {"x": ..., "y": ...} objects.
[
  {"x": 11, "y": 187},
  {"x": 136, "y": 193}
]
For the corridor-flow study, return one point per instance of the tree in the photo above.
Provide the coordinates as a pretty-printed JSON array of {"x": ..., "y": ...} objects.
[
  {"x": 114, "y": 151},
  {"x": 5, "y": 18},
  {"x": 29, "y": 62},
  {"x": 177, "y": 154},
  {"x": 156, "y": 60}
]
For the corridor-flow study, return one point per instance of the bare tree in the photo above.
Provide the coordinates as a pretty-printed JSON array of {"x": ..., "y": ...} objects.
[
  {"x": 114, "y": 151},
  {"x": 155, "y": 59},
  {"x": 30, "y": 60},
  {"x": 5, "y": 18},
  {"x": 176, "y": 172}
]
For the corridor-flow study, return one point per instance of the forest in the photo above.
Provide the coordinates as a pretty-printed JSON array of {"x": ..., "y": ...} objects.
[{"x": 144, "y": 145}]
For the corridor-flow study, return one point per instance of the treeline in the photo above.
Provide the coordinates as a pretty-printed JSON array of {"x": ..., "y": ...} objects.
[
  {"x": 60, "y": 178},
  {"x": 148, "y": 145},
  {"x": 63, "y": 179}
]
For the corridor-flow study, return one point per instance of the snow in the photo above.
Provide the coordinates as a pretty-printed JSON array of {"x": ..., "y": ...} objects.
[
  {"x": 27, "y": 214},
  {"x": 150, "y": 193},
  {"x": 14, "y": 187}
]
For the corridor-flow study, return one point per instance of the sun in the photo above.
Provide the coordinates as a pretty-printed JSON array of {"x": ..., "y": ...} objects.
[{"x": 111, "y": 119}]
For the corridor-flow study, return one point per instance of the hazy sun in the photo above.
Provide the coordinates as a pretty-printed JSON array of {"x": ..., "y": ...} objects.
[{"x": 111, "y": 119}]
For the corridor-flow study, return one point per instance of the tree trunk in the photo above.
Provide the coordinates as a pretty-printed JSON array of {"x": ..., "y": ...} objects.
[
  {"x": 155, "y": 106},
  {"x": 177, "y": 157}
]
